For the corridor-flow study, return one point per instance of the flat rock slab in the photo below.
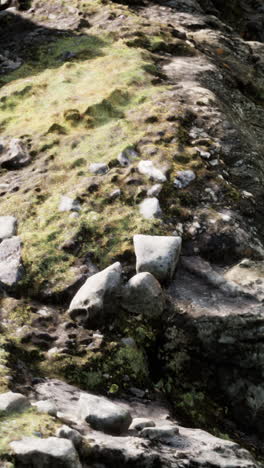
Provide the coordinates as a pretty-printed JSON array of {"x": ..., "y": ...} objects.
[
  {"x": 11, "y": 268},
  {"x": 158, "y": 255},
  {"x": 8, "y": 227},
  {"x": 11, "y": 402},
  {"x": 52, "y": 452},
  {"x": 104, "y": 415}
]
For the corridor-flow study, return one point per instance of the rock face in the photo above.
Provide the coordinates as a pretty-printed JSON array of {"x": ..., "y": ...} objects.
[
  {"x": 103, "y": 415},
  {"x": 12, "y": 402},
  {"x": 11, "y": 268},
  {"x": 14, "y": 155},
  {"x": 158, "y": 255},
  {"x": 52, "y": 452},
  {"x": 143, "y": 295},
  {"x": 8, "y": 226},
  {"x": 93, "y": 296}
]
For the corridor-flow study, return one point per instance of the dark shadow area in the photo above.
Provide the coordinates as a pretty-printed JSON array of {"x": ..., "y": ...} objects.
[{"x": 27, "y": 48}]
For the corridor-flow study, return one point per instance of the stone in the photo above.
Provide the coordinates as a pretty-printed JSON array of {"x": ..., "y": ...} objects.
[
  {"x": 11, "y": 269},
  {"x": 115, "y": 194},
  {"x": 127, "y": 156},
  {"x": 8, "y": 227},
  {"x": 66, "y": 432},
  {"x": 160, "y": 433},
  {"x": 11, "y": 402},
  {"x": 52, "y": 452},
  {"x": 150, "y": 208},
  {"x": 148, "y": 169},
  {"x": 103, "y": 415},
  {"x": 143, "y": 295},
  {"x": 157, "y": 255},
  {"x": 140, "y": 423},
  {"x": 46, "y": 406},
  {"x": 14, "y": 154},
  {"x": 184, "y": 178},
  {"x": 154, "y": 191},
  {"x": 99, "y": 168},
  {"x": 69, "y": 204},
  {"x": 94, "y": 294}
]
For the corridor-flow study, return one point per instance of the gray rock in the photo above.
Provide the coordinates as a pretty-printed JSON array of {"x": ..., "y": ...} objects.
[
  {"x": 69, "y": 204},
  {"x": 154, "y": 191},
  {"x": 92, "y": 296},
  {"x": 148, "y": 169},
  {"x": 66, "y": 432},
  {"x": 104, "y": 415},
  {"x": 12, "y": 402},
  {"x": 115, "y": 194},
  {"x": 52, "y": 452},
  {"x": 8, "y": 227},
  {"x": 150, "y": 208},
  {"x": 184, "y": 178},
  {"x": 140, "y": 423},
  {"x": 14, "y": 154},
  {"x": 11, "y": 269},
  {"x": 127, "y": 156},
  {"x": 158, "y": 255},
  {"x": 46, "y": 406},
  {"x": 99, "y": 168},
  {"x": 160, "y": 433},
  {"x": 143, "y": 295}
]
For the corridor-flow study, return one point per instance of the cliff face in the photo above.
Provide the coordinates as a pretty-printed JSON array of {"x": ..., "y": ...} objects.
[{"x": 120, "y": 119}]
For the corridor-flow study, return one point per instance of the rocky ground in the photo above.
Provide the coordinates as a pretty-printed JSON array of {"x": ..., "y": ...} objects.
[{"x": 131, "y": 234}]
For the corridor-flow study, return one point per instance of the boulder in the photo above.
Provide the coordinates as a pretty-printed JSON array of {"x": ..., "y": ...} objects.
[
  {"x": 14, "y": 154},
  {"x": 99, "y": 168},
  {"x": 143, "y": 295},
  {"x": 52, "y": 452},
  {"x": 12, "y": 402},
  {"x": 69, "y": 204},
  {"x": 104, "y": 415},
  {"x": 150, "y": 208},
  {"x": 66, "y": 432},
  {"x": 94, "y": 294},
  {"x": 8, "y": 226},
  {"x": 46, "y": 406},
  {"x": 11, "y": 268},
  {"x": 148, "y": 169},
  {"x": 158, "y": 255},
  {"x": 184, "y": 178},
  {"x": 140, "y": 423}
]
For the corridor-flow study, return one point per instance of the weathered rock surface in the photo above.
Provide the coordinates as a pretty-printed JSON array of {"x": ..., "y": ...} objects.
[
  {"x": 184, "y": 178},
  {"x": 143, "y": 295},
  {"x": 14, "y": 154},
  {"x": 157, "y": 255},
  {"x": 66, "y": 432},
  {"x": 11, "y": 269},
  {"x": 46, "y": 406},
  {"x": 52, "y": 452},
  {"x": 150, "y": 208},
  {"x": 11, "y": 402},
  {"x": 148, "y": 169},
  {"x": 99, "y": 168},
  {"x": 69, "y": 204},
  {"x": 103, "y": 415},
  {"x": 8, "y": 226},
  {"x": 93, "y": 296}
]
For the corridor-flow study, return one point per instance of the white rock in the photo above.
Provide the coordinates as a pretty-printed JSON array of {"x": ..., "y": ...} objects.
[
  {"x": 91, "y": 296},
  {"x": 69, "y": 204},
  {"x": 46, "y": 407},
  {"x": 143, "y": 295},
  {"x": 157, "y": 255},
  {"x": 46, "y": 453},
  {"x": 148, "y": 169},
  {"x": 11, "y": 402},
  {"x": 14, "y": 154},
  {"x": 150, "y": 208},
  {"x": 104, "y": 415},
  {"x": 99, "y": 168},
  {"x": 11, "y": 269},
  {"x": 184, "y": 178},
  {"x": 66, "y": 432},
  {"x": 161, "y": 433},
  {"x": 8, "y": 226},
  {"x": 154, "y": 191}
]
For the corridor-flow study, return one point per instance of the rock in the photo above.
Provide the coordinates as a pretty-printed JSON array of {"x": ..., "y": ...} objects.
[
  {"x": 150, "y": 208},
  {"x": 115, "y": 194},
  {"x": 94, "y": 295},
  {"x": 158, "y": 255},
  {"x": 128, "y": 341},
  {"x": 127, "y": 156},
  {"x": 99, "y": 168},
  {"x": 14, "y": 155},
  {"x": 248, "y": 275},
  {"x": 66, "y": 432},
  {"x": 143, "y": 295},
  {"x": 52, "y": 452},
  {"x": 160, "y": 433},
  {"x": 12, "y": 402},
  {"x": 148, "y": 169},
  {"x": 46, "y": 406},
  {"x": 154, "y": 191},
  {"x": 8, "y": 227},
  {"x": 104, "y": 415},
  {"x": 11, "y": 268},
  {"x": 184, "y": 178},
  {"x": 140, "y": 423},
  {"x": 68, "y": 204}
]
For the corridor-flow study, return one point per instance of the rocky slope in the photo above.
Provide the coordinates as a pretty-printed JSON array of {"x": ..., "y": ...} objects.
[{"x": 131, "y": 233}]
